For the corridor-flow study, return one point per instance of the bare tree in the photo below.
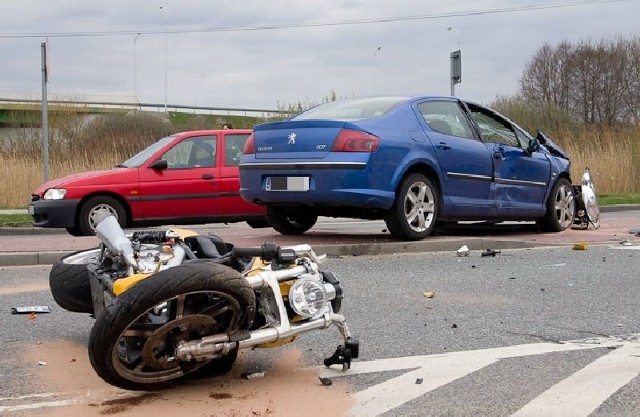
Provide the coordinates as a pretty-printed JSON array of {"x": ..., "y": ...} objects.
[{"x": 595, "y": 81}]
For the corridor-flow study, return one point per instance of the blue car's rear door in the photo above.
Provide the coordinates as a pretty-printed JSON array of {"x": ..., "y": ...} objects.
[{"x": 465, "y": 162}]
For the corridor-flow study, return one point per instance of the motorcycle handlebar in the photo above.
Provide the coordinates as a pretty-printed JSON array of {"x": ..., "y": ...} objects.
[{"x": 268, "y": 251}]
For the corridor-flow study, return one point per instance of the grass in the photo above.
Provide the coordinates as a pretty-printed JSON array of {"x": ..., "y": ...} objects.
[{"x": 15, "y": 220}]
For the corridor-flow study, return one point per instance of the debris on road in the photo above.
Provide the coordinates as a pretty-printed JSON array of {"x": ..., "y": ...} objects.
[
  {"x": 419, "y": 381},
  {"x": 582, "y": 245},
  {"x": 463, "y": 251},
  {"x": 626, "y": 242},
  {"x": 490, "y": 252},
  {"x": 325, "y": 381},
  {"x": 30, "y": 310},
  {"x": 428, "y": 294},
  {"x": 252, "y": 375}
]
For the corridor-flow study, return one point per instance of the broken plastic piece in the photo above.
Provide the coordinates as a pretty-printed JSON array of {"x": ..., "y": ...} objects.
[
  {"x": 490, "y": 252},
  {"x": 463, "y": 251},
  {"x": 30, "y": 309}
]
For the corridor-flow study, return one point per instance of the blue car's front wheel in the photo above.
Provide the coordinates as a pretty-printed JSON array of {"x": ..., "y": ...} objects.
[{"x": 414, "y": 212}]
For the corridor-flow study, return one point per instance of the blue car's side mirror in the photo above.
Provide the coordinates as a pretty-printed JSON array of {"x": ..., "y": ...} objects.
[{"x": 534, "y": 145}]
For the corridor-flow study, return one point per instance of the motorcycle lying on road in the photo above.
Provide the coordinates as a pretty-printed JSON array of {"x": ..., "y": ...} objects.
[{"x": 169, "y": 304}]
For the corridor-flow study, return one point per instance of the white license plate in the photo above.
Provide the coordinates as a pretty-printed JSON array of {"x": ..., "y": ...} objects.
[
  {"x": 30, "y": 209},
  {"x": 287, "y": 184}
]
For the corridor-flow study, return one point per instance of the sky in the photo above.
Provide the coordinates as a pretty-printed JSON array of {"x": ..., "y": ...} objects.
[{"x": 262, "y": 54}]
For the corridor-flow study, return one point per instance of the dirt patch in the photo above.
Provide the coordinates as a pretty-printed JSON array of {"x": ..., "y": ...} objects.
[
  {"x": 44, "y": 286},
  {"x": 287, "y": 388},
  {"x": 473, "y": 299}
]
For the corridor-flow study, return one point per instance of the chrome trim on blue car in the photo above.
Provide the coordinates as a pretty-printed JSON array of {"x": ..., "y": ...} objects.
[
  {"x": 303, "y": 165},
  {"x": 520, "y": 182},
  {"x": 470, "y": 176}
]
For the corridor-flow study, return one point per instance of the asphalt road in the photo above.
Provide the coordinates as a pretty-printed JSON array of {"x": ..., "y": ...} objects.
[{"x": 495, "y": 339}]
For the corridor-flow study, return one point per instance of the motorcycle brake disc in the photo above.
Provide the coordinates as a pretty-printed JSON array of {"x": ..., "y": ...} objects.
[{"x": 158, "y": 349}]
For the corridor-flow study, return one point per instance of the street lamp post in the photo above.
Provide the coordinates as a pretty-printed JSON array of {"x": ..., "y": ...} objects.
[
  {"x": 135, "y": 68},
  {"x": 375, "y": 53},
  {"x": 164, "y": 15}
]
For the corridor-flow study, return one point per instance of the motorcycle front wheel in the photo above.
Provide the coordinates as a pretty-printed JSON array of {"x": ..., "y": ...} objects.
[{"x": 132, "y": 343}]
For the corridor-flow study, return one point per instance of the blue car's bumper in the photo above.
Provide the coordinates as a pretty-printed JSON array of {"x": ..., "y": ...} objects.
[{"x": 334, "y": 185}]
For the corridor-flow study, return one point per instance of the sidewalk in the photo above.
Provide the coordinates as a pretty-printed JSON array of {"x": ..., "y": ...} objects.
[{"x": 339, "y": 237}]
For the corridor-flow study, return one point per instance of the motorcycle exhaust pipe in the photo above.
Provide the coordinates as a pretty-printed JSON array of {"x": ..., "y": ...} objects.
[{"x": 220, "y": 344}]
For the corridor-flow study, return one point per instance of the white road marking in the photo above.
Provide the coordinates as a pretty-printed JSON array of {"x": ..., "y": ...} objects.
[
  {"x": 581, "y": 393},
  {"x": 45, "y": 404},
  {"x": 577, "y": 395},
  {"x": 440, "y": 369}
]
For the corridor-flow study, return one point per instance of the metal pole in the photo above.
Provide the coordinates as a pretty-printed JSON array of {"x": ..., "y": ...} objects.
[
  {"x": 374, "y": 67},
  {"x": 135, "y": 68},
  {"x": 164, "y": 14},
  {"x": 45, "y": 111}
]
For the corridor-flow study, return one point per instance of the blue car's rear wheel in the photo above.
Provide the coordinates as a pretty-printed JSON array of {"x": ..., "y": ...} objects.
[
  {"x": 414, "y": 212},
  {"x": 290, "y": 221}
]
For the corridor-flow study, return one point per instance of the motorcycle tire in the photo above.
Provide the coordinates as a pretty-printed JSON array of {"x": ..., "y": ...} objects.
[
  {"x": 132, "y": 343},
  {"x": 69, "y": 281}
]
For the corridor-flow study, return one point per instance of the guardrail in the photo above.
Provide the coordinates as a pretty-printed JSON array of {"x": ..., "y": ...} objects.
[{"x": 229, "y": 111}]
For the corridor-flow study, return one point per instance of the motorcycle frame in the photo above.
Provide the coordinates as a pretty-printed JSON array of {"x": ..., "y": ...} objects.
[{"x": 211, "y": 347}]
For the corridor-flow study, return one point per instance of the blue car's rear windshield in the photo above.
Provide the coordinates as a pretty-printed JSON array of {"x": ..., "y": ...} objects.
[{"x": 357, "y": 108}]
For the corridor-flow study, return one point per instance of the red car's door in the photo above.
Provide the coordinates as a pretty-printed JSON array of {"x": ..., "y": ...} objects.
[
  {"x": 232, "y": 203},
  {"x": 188, "y": 187}
]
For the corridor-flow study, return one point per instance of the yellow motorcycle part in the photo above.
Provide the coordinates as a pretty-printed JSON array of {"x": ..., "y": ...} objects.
[
  {"x": 124, "y": 284},
  {"x": 284, "y": 290},
  {"x": 184, "y": 233}
]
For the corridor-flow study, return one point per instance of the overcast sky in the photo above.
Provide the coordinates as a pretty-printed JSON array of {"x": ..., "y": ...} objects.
[{"x": 219, "y": 54}]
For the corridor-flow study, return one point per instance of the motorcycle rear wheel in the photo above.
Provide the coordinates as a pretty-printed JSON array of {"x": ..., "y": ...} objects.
[
  {"x": 69, "y": 281},
  {"x": 132, "y": 343}
]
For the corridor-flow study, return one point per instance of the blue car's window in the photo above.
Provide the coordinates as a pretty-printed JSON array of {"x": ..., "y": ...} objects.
[
  {"x": 141, "y": 157},
  {"x": 359, "y": 108},
  {"x": 494, "y": 129},
  {"x": 446, "y": 117}
]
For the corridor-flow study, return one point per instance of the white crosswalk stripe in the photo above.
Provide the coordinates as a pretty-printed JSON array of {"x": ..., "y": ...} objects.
[{"x": 577, "y": 395}]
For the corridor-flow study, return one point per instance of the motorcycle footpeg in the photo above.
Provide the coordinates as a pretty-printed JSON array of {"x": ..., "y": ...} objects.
[{"x": 344, "y": 354}]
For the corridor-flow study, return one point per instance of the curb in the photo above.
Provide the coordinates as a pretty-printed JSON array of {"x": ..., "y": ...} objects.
[{"x": 360, "y": 249}]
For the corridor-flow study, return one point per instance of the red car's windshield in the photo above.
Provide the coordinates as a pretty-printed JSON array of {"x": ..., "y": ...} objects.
[{"x": 138, "y": 159}]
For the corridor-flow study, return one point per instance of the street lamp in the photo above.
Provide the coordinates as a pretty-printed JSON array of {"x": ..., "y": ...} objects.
[
  {"x": 164, "y": 15},
  {"x": 135, "y": 68},
  {"x": 375, "y": 53}
]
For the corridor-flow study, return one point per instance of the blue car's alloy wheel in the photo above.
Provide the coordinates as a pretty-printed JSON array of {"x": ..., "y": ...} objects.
[{"x": 413, "y": 214}]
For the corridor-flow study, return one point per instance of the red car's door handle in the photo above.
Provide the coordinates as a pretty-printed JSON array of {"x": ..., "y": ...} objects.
[{"x": 207, "y": 176}]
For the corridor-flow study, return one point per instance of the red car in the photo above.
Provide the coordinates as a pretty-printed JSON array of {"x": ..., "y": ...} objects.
[{"x": 185, "y": 178}]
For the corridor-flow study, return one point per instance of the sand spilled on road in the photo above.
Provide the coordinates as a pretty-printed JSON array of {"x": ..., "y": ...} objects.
[{"x": 287, "y": 389}]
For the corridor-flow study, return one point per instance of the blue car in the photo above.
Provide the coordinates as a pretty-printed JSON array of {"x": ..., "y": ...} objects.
[{"x": 413, "y": 161}]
